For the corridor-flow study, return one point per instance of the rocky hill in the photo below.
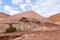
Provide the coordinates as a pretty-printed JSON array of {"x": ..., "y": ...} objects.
[
  {"x": 55, "y": 18},
  {"x": 3, "y": 15},
  {"x": 28, "y": 20},
  {"x": 28, "y": 14},
  {"x": 29, "y": 26}
]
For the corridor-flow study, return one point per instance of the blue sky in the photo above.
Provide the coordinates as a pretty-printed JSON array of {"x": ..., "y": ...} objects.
[{"x": 45, "y": 8}]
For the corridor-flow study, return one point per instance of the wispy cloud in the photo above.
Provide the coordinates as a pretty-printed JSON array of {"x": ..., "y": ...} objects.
[
  {"x": 10, "y": 10},
  {"x": 43, "y": 7},
  {"x": 22, "y": 6},
  {"x": 28, "y": 1},
  {"x": 48, "y": 7},
  {"x": 16, "y": 1},
  {"x": 0, "y": 2}
]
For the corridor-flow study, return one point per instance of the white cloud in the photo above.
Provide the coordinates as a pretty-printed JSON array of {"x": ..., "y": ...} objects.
[
  {"x": 16, "y": 1},
  {"x": 22, "y": 6},
  {"x": 28, "y": 1},
  {"x": 48, "y": 7},
  {"x": 34, "y": 7},
  {"x": 43, "y": 7},
  {"x": 10, "y": 10},
  {"x": 0, "y": 2}
]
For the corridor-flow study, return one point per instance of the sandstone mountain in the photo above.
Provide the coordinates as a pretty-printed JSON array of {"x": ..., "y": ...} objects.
[
  {"x": 29, "y": 26},
  {"x": 3, "y": 15},
  {"x": 28, "y": 20},
  {"x": 28, "y": 14},
  {"x": 55, "y": 18}
]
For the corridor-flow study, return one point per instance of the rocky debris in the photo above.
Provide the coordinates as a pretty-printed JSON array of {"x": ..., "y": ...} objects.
[
  {"x": 36, "y": 35},
  {"x": 42, "y": 36},
  {"x": 8, "y": 36}
]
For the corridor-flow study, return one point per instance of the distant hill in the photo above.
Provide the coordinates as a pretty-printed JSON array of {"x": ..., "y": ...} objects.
[
  {"x": 3, "y": 15},
  {"x": 55, "y": 18}
]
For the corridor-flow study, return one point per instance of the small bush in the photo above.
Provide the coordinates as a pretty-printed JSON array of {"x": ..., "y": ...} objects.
[
  {"x": 10, "y": 29},
  {"x": 24, "y": 19}
]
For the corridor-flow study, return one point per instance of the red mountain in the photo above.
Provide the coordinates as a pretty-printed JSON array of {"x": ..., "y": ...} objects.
[
  {"x": 55, "y": 17},
  {"x": 3, "y": 15},
  {"x": 29, "y": 14}
]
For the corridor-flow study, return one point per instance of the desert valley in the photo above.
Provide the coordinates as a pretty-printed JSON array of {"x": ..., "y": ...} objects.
[{"x": 29, "y": 25}]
